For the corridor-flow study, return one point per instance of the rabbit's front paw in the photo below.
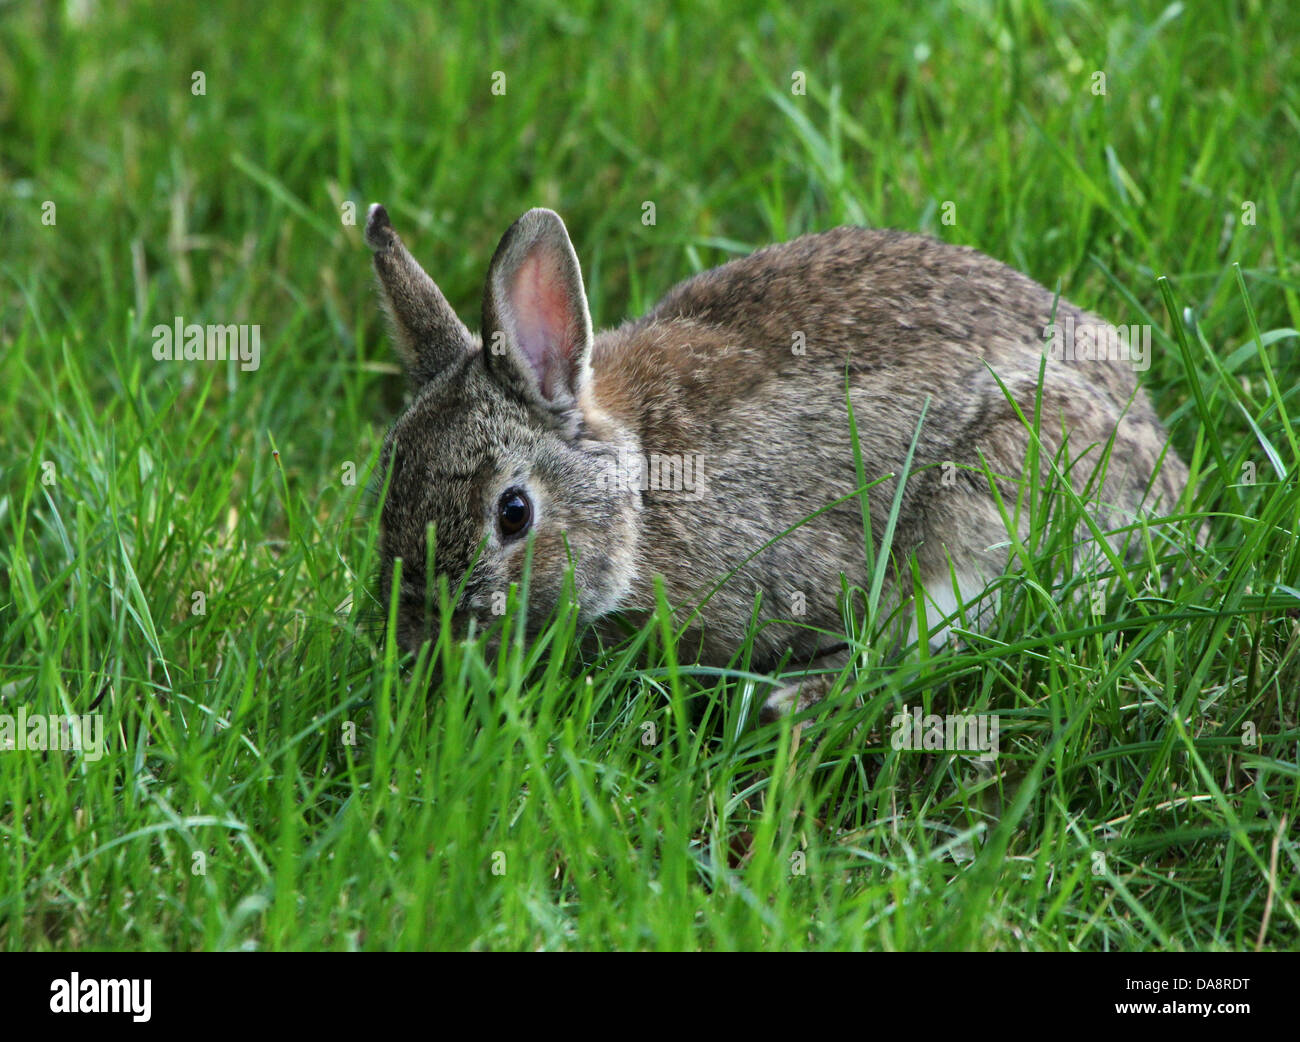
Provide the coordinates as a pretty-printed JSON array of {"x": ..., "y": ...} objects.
[
  {"x": 806, "y": 691},
  {"x": 793, "y": 698}
]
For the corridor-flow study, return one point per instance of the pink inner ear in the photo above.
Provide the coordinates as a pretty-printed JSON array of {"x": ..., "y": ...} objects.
[{"x": 543, "y": 323}]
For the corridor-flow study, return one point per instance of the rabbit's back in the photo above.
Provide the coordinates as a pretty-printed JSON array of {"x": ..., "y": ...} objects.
[{"x": 875, "y": 300}]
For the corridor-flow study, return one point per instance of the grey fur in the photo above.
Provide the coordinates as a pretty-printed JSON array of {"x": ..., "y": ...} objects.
[
  {"x": 744, "y": 369},
  {"x": 428, "y": 333}
]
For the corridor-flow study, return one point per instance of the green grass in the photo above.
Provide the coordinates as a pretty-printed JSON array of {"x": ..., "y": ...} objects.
[{"x": 276, "y": 777}]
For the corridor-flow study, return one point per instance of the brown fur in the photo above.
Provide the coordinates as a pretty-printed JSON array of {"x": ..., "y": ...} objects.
[{"x": 713, "y": 373}]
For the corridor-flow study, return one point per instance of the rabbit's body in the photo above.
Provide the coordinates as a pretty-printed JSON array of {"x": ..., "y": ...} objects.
[
  {"x": 744, "y": 368},
  {"x": 735, "y": 385}
]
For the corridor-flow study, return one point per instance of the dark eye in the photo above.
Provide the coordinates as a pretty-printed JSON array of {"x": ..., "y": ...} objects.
[{"x": 514, "y": 513}]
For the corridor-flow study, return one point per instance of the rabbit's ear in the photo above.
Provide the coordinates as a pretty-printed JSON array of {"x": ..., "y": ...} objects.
[
  {"x": 428, "y": 334},
  {"x": 536, "y": 326}
]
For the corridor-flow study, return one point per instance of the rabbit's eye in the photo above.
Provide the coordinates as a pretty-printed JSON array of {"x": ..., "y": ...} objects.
[{"x": 514, "y": 513}]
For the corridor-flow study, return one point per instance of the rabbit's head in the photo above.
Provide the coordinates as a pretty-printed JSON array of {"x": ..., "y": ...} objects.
[{"x": 502, "y": 447}]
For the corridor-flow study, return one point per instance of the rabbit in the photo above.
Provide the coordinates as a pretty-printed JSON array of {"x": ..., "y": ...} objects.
[{"x": 735, "y": 386}]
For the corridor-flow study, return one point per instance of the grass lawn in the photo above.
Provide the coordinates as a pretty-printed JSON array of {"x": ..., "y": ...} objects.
[{"x": 187, "y": 549}]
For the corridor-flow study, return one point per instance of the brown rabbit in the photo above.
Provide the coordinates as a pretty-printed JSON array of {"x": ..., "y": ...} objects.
[{"x": 683, "y": 444}]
